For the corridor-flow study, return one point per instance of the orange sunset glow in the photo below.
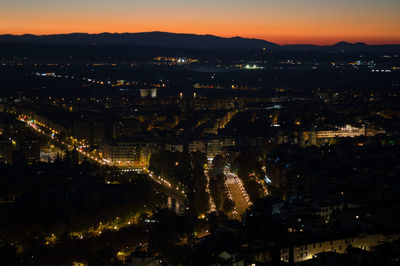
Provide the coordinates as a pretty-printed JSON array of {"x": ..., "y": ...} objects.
[{"x": 283, "y": 22}]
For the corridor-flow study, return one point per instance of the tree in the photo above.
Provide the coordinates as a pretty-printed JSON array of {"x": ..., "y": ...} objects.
[
  {"x": 217, "y": 188},
  {"x": 248, "y": 168},
  {"x": 229, "y": 205},
  {"x": 200, "y": 197},
  {"x": 168, "y": 231},
  {"x": 218, "y": 164}
]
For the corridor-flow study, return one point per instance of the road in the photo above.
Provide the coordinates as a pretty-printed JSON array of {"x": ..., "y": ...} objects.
[
  {"x": 167, "y": 189},
  {"x": 43, "y": 130},
  {"x": 237, "y": 194}
]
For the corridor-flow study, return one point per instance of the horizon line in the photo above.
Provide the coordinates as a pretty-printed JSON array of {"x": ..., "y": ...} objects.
[{"x": 220, "y": 36}]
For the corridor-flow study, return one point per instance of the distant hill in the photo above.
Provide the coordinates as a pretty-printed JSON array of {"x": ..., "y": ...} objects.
[
  {"x": 343, "y": 46},
  {"x": 155, "y": 39},
  {"x": 180, "y": 40}
]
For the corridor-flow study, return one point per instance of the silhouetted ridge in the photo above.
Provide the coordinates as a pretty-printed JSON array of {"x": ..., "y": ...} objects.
[
  {"x": 160, "y": 39},
  {"x": 181, "y": 40}
]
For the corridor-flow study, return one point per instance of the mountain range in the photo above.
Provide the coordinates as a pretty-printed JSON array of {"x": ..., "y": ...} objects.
[{"x": 179, "y": 40}]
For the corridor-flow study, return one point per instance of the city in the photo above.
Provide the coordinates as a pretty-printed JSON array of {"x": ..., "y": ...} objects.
[{"x": 156, "y": 148}]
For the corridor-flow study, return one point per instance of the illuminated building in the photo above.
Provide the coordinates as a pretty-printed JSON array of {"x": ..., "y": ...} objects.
[
  {"x": 215, "y": 146},
  {"x": 148, "y": 93},
  {"x": 197, "y": 145},
  {"x": 343, "y": 132},
  {"x": 128, "y": 153},
  {"x": 298, "y": 253},
  {"x": 174, "y": 147}
]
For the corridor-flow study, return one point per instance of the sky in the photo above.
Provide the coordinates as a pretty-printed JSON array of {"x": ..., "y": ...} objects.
[{"x": 279, "y": 21}]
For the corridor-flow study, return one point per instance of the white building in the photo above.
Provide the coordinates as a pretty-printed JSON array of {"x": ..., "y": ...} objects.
[
  {"x": 343, "y": 132},
  {"x": 128, "y": 153},
  {"x": 307, "y": 251}
]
